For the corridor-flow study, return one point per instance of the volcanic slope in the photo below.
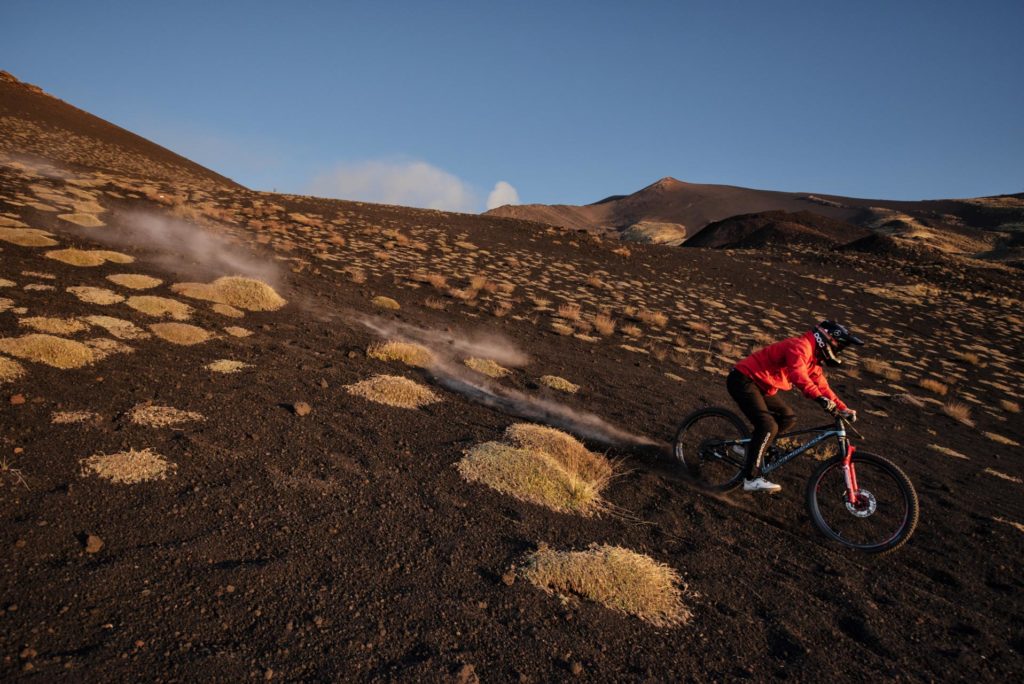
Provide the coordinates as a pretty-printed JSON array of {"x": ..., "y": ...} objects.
[{"x": 301, "y": 518}]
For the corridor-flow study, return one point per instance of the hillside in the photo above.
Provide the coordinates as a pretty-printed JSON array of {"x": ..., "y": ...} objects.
[{"x": 207, "y": 479}]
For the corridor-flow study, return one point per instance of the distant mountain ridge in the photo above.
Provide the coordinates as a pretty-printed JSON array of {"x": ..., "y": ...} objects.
[{"x": 694, "y": 208}]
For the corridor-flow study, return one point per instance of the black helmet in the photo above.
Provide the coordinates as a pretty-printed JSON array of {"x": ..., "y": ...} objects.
[{"x": 832, "y": 339}]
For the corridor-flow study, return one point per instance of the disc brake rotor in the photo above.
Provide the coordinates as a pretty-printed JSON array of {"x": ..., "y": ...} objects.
[{"x": 864, "y": 506}]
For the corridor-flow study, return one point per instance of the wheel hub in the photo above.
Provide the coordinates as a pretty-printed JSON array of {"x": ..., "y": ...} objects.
[{"x": 864, "y": 506}]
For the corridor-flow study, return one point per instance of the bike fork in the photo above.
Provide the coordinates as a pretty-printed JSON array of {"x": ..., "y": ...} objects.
[{"x": 850, "y": 475}]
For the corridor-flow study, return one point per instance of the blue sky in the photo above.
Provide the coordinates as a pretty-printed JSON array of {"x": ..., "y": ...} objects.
[{"x": 433, "y": 103}]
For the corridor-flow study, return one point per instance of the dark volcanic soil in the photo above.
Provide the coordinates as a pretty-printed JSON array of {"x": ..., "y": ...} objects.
[{"x": 343, "y": 544}]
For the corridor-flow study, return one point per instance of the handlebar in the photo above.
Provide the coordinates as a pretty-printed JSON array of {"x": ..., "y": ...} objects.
[{"x": 842, "y": 421}]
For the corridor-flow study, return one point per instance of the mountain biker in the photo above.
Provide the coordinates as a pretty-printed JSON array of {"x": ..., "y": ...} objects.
[{"x": 756, "y": 380}]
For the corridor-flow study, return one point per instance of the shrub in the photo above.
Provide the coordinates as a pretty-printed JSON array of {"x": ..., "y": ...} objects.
[
  {"x": 180, "y": 333},
  {"x": 570, "y": 311},
  {"x": 487, "y": 367},
  {"x": 408, "y": 353},
  {"x": 128, "y": 467},
  {"x": 959, "y": 411},
  {"x": 240, "y": 292},
  {"x": 933, "y": 386},
  {"x": 604, "y": 324},
  {"x": 880, "y": 368},
  {"x": 393, "y": 390},
  {"x": 386, "y": 303},
  {"x": 614, "y": 577},
  {"x": 560, "y": 384},
  {"x": 48, "y": 349}
]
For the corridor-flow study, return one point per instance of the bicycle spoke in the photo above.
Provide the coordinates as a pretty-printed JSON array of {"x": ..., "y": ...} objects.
[
  {"x": 708, "y": 447},
  {"x": 879, "y": 514}
]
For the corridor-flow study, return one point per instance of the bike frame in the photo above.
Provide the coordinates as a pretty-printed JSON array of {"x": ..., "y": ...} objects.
[{"x": 838, "y": 431}]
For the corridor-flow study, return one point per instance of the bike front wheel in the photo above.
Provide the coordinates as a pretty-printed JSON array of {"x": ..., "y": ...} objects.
[
  {"x": 885, "y": 510},
  {"x": 711, "y": 445}
]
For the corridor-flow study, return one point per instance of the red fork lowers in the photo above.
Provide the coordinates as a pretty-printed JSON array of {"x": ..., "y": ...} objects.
[{"x": 850, "y": 475}]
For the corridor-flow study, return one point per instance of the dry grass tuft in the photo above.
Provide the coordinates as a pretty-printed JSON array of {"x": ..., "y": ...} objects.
[
  {"x": 394, "y": 390},
  {"x": 959, "y": 411},
  {"x": 88, "y": 257},
  {"x": 487, "y": 367},
  {"x": 161, "y": 416},
  {"x": 529, "y": 473},
  {"x": 118, "y": 327},
  {"x": 655, "y": 318},
  {"x": 96, "y": 295},
  {"x": 240, "y": 292},
  {"x": 1001, "y": 439},
  {"x": 562, "y": 446},
  {"x": 82, "y": 219},
  {"x": 10, "y": 370},
  {"x": 236, "y": 331},
  {"x": 615, "y": 577},
  {"x": 54, "y": 326},
  {"x": 604, "y": 324},
  {"x": 386, "y": 303},
  {"x": 1009, "y": 406},
  {"x": 880, "y": 368},
  {"x": 560, "y": 384},
  {"x": 968, "y": 357},
  {"x": 570, "y": 311},
  {"x": 228, "y": 310},
  {"x": 1002, "y": 476},
  {"x": 27, "y": 237},
  {"x": 948, "y": 452},
  {"x": 408, "y": 353},
  {"x": 179, "y": 333},
  {"x": 160, "y": 307},
  {"x": 128, "y": 467},
  {"x": 74, "y": 417},
  {"x": 53, "y": 351},
  {"x": 562, "y": 328},
  {"x": 226, "y": 366},
  {"x": 934, "y": 386},
  {"x": 134, "y": 281}
]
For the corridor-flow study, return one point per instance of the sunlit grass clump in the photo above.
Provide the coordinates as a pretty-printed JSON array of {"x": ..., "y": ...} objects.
[
  {"x": 409, "y": 353},
  {"x": 160, "y": 307},
  {"x": 393, "y": 390},
  {"x": 614, "y": 577},
  {"x": 179, "y": 333},
  {"x": 128, "y": 467},
  {"x": 48, "y": 349},
  {"x": 560, "y": 384},
  {"x": 491, "y": 369},
  {"x": 27, "y": 237},
  {"x": 542, "y": 466},
  {"x": 240, "y": 292},
  {"x": 88, "y": 257}
]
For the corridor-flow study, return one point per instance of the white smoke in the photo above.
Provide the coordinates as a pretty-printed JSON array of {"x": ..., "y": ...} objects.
[
  {"x": 502, "y": 194},
  {"x": 409, "y": 183}
]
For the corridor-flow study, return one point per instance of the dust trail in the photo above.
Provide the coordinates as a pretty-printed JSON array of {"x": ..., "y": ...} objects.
[
  {"x": 451, "y": 373},
  {"x": 486, "y": 345},
  {"x": 178, "y": 246}
]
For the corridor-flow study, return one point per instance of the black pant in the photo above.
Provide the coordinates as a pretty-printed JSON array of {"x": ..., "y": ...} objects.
[{"x": 768, "y": 415}]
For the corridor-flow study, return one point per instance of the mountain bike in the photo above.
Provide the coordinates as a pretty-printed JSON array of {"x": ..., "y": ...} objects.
[{"x": 857, "y": 499}]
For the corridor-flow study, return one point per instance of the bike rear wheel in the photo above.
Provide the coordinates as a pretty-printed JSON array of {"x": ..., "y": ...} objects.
[
  {"x": 885, "y": 512},
  {"x": 707, "y": 446}
]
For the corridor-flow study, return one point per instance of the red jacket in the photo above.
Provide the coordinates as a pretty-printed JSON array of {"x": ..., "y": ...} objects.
[{"x": 793, "y": 361}]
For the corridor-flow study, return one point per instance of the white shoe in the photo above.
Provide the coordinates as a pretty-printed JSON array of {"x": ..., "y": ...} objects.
[
  {"x": 739, "y": 449},
  {"x": 759, "y": 484}
]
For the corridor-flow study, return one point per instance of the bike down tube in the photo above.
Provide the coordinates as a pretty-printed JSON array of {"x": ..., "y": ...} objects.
[{"x": 850, "y": 475}]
